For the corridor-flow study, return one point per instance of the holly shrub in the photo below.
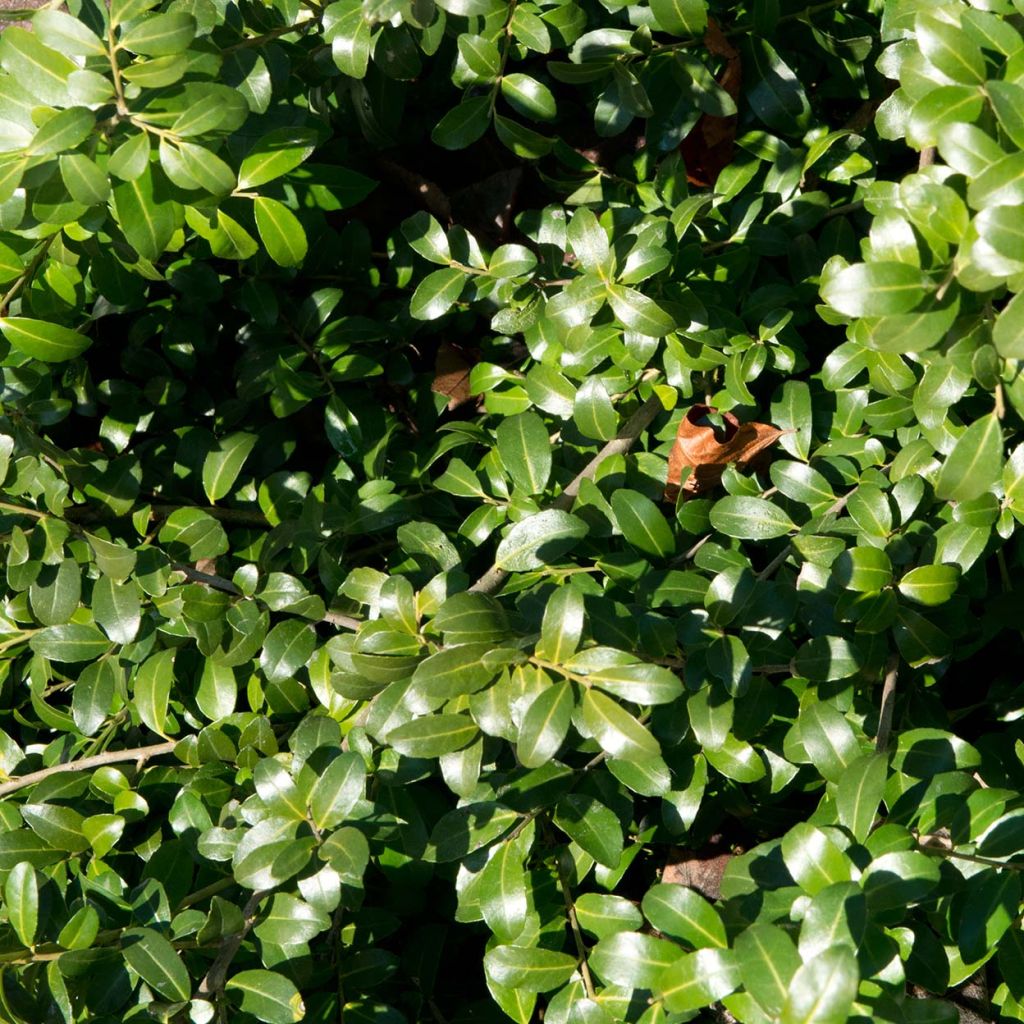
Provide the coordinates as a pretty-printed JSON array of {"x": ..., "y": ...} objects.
[{"x": 511, "y": 509}]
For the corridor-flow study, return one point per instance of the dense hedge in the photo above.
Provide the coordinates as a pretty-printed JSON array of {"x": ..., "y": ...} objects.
[{"x": 512, "y": 510}]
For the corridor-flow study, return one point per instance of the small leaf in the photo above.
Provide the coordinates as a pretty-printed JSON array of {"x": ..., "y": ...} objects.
[
  {"x": 525, "y": 451},
  {"x": 280, "y": 231},
  {"x": 268, "y": 996},
  {"x": 433, "y": 735},
  {"x": 685, "y": 915},
  {"x": 437, "y": 293},
  {"x": 823, "y": 990},
  {"x": 529, "y": 969},
  {"x": 750, "y": 519},
  {"x": 875, "y": 289},
  {"x": 642, "y": 524},
  {"x": 545, "y": 724},
  {"x": 975, "y": 463},
  {"x": 21, "y": 902},
  {"x": 930, "y": 584},
  {"x": 539, "y": 540},
  {"x": 157, "y": 962},
  {"x": 680, "y": 17},
  {"x": 859, "y": 792},
  {"x": 275, "y": 154},
  {"x": 464, "y": 124},
  {"x": 222, "y": 466}
]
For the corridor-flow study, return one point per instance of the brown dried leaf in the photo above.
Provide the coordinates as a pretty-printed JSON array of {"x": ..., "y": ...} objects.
[
  {"x": 451, "y": 375},
  {"x": 699, "y": 869},
  {"x": 705, "y": 451}
]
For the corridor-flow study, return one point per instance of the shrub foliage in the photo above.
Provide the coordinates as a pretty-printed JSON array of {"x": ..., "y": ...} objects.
[{"x": 471, "y": 466}]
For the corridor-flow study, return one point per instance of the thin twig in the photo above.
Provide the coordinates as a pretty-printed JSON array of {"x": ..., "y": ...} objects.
[
  {"x": 581, "y": 949},
  {"x": 207, "y": 890},
  {"x": 892, "y": 671},
  {"x": 140, "y": 754},
  {"x": 212, "y": 985},
  {"x": 619, "y": 445},
  {"x": 927, "y": 158},
  {"x": 27, "y": 274}
]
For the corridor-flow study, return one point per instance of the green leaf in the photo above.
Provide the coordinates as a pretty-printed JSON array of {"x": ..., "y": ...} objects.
[
  {"x": 528, "y": 97},
  {"x": 275, "y": 154},
  {"x": 562, "y": 627},
  {"x": 43, "y": 72},
  {"x": 268, "y": 996},
  {"x": 685, "y": 915},
  {"x": 774, "y": 91},
  {"x": 605, "y": 915},
  {"x": 41, "y": 340},
  {"x": 426, "y": 236},
  {"x": 67, "y": 34},
  {"x": 1008, "y": 330},
  {"x": 21, "y": 902},
  {"x": 642, "y": 524},
  {"x": 532, "y": 970},
  {"x": 71, "y": 642},
  {"x": 950, "y": 50},
  {"x": 632, "y": 959},
  {"x": 827, "y": 658},
  {"x": 593, "y": 411},
  {"x": 545, "y": 724},
  {"x": 152, "y": 689},
  {"x": 464, "y": 124},
  {"x": 698, "y": 979},
  {"x": 117, "y": 608},
  {"x": 280, "y": 231},
  {"x": 437, "y": 293},
  {"x": 539, "y": 540},
  {"x": 287, "y": 649},
  {"x": 767, "y": 960},
  {"x": 525, "y": 451},
  {"x": 828, "y": 739},
  {"x": 616, "y": 730},
  {"x": 750, "y": 519},
  {"x": 880, "y": 288},
  {"x": 160, "y": 34},
  {"x": 433, "y": 735},
  {"x": 823, "y": 990},
  {"x": 640, "y": 313},
  {"x": 975, "y": 463},
  {"x": 65, "y": 130},
  {"x": 453, "y": 672},
  {"x": 156, "y": 961},
  {"x": 899, "y": 879},
  {"x": 814, "y": 861},
  {"x": 680, "y": 17},
  {"x": 592, "y": 826},
  {"x": 85, "y": 182},
  {"x": 147, "y": 222},
  {"x": 638, "y": 683},
  {"x": 481, "y": 56},
  {"x": 222, "y": 466},
  {"x": 859, "y": 792},
  {"x": 930, "y": 584}
]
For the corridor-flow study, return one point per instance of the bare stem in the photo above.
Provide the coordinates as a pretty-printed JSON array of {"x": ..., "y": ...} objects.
[
  {"x": 213, "y": 984},
  {"x": 570, "y": 908},
  {"x": 27, "y": 274},
  {"x": 140, "y": 754}
]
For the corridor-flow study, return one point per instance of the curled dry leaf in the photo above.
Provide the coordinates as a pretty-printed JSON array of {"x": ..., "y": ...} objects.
[{"x": 705, "y": 450}]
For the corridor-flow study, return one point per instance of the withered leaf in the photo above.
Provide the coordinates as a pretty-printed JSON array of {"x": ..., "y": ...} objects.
[
  {"x": 699, "y": 869},
  {"x": 451, "y": 374},
  {"x": 705, "y": 451}
]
